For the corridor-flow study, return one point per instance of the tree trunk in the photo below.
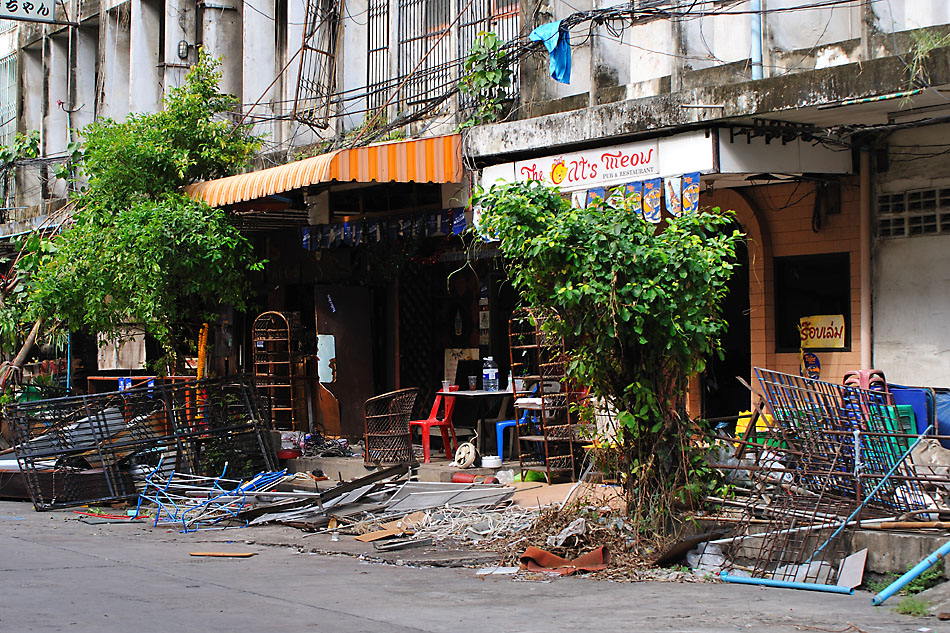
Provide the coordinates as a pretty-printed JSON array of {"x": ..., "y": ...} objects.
[{"x": 24, "y": 353}]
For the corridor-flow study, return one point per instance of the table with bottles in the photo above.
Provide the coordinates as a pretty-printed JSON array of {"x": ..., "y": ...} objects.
[{"x": 483, "y": 401}]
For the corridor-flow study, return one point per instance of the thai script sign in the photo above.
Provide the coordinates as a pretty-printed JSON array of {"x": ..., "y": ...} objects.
[
  {"x": 28, "y": 10},
  {"x": 613, "y": 165},
  {"x": 822, "y": 331}
]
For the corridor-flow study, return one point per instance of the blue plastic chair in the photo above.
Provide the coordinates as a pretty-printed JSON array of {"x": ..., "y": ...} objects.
[{"x": 500, "y": 432}]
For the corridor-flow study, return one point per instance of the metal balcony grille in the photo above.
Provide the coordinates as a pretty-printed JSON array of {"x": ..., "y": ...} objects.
[
  {"x": 315, "y": 82},
  {"x": 499, "y": 16},
  {"x": 378, "y": 59}
]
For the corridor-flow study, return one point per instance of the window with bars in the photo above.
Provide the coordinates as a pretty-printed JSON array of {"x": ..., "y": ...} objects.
[
  {"x": 431, "y": 42},
  {"x": 316, "y": 80},
  {"x": 8, "y": 98},
  {"x": 7, "y": 25},
  {"x": 9, "y": 101},
  {"x": 911, "y": 213},
  {"x": 499, "y": 16},
  {"x": 377, "y": 63}
]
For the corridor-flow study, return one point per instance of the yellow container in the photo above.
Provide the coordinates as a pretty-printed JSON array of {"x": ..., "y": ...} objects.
[{"x": 762, "y": 424}]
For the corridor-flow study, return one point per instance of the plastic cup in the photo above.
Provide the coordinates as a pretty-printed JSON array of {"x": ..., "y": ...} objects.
[
  {"x": 445, "y": 385},
  {"x": 472, "y": 380}
]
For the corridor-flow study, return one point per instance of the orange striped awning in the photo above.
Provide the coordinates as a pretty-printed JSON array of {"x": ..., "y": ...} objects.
[{"x": 436, "y": 159}]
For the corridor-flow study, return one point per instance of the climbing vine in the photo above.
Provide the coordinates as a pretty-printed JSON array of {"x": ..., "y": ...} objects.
[{"x": 486, "y": 77}]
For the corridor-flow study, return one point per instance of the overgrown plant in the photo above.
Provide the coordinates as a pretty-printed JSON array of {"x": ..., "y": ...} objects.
[
  {"x": 137, "y": 250},
  {"x": 486, "y": 77},
  {"x": 23, "y": 146},
  {"x": 640, "y": 311},
  {"x": 923, "y": 43}
]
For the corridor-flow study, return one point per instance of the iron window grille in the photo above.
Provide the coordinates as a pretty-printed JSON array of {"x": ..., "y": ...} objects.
[
  {"x": 502, "y": 17},
  {"x": 316, "y": 80},
  {"x": 428, "y": 31},
  {"x": 9, "y": 102}
]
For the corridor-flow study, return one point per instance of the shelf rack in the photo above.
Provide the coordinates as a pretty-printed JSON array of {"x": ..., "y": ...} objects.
[
  {"x": 279, "y": 368},
  {"x": 546, "y": 433}
]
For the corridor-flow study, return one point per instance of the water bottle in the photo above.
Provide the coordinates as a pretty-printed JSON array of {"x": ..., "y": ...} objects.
[{"x": 490, "y": 374}]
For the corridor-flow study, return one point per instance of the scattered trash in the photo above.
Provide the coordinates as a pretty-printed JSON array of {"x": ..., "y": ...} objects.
[
  {"x": 706, "y": 557},
  {"x": 100, "y": 448},
  {"x": 535, "y": 559},
  {"x": 497, "y": 571},
  {"x": 388, "y": 546},
  {"x": 576, "y": 528}
]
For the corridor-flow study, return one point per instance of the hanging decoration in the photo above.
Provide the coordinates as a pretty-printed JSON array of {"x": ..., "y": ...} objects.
[{"x": 441, "y": 223}]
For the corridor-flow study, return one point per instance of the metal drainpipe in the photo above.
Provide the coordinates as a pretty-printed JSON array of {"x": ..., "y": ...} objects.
[
  {"x": 755, "y": 37},
  {"x": 864, "y": 252}
]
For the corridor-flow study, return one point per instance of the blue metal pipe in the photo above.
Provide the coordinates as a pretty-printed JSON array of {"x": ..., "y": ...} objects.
[
  {"x": 917, "y": 570},
  {"x": 755, "y": 37},
  {"x": 786, "y": 584},
  {"x": 69, "y": 360}
]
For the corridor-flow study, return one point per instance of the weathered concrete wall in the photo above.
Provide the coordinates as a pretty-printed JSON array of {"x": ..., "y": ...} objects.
[
  {"x": 180, "y": 18},
  {"x": 145, "y": 75},
  {"x": 912, "y": 274},
  {"x": 115, "y": 65},
  {"x": 910, "y": 14},
  {"x": 911, "y": 304},
  {"x": 221, "y": 37},
  {"x": 260, "y": 63},
  {"x": 351, "y": 74},
  {"x": 769, "y": 96}
]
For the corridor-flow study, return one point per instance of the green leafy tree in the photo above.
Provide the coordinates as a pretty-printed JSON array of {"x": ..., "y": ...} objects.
[
  {"x": 640, "y": 309},
  {"x": 136, "y": 249}
]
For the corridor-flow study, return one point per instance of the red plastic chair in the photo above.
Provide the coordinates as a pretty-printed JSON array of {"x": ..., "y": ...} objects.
[{"x": 444, "y": 425}]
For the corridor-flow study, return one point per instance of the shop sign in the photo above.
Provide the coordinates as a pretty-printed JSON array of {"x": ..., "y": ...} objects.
[
  {"x": 825, "y": 331},
  {"x": 28, "y": 10},
  {"x": 592, "y": 168}
]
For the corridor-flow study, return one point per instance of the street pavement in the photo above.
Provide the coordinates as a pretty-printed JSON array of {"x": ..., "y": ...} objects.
[{"x": 60, "y": 574}]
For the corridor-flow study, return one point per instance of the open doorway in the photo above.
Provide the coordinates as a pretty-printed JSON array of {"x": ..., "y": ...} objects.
[{"x": 723, "y": 395}]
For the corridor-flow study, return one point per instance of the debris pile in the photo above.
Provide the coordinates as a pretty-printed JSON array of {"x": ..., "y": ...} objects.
[
  {"x": 100, "y": 448},
  {"x": 827, "y": 459}
]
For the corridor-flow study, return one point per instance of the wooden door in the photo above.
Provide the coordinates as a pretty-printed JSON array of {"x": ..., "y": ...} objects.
[{"x": 345, "y": 312}]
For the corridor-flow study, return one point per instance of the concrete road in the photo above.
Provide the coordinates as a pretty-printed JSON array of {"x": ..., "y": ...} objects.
[{"x": 58, "y": 574}]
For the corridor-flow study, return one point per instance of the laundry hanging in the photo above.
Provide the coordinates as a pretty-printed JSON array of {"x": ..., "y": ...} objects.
[{"x": 559, "y": 49}]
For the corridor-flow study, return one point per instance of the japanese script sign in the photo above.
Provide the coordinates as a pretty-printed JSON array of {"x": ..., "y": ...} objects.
[{"x": 28, "y": 10}]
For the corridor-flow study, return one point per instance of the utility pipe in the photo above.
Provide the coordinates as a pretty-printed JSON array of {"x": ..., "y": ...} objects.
[
  {"x": 786, "y": 584},
  {"x": 69, "y": 361},
  {"x": 755, "y": 37},
  {"x": 864, "y": 251},
  {"x": 917, "y": 570}
]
